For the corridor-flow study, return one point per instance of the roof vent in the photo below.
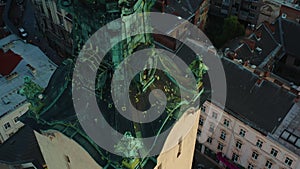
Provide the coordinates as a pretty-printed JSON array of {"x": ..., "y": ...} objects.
[
  {"x": 258, "y": 35},
  {"x": 283, "y": 15},
  {"x": 259, "y": 50},
  {"x": 40, "y": 96},
  {"x": 5, "y": 100}
]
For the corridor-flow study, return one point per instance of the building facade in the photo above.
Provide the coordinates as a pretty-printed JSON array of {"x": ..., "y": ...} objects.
[
  {"x": 55, "y": 25},
  {"x": 17, "y": 63},
  {"x": 11, "y": 122},
  {"x": 290, "y": 9},
  {"x": 56, "y": 112},
  {"x": 53, "y": 150},
  {"x": 245, "y": 10},
  {"x": 269, "y": 11},
  {"x": 271, "y": 47},
  {"x": 193, "y": 10},
  {"x": 250, "y": 131},
  {"x": 244, "y": 145}
]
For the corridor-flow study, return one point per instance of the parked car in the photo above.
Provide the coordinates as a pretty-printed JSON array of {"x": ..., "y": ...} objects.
[{"x": 23, "y": 33}]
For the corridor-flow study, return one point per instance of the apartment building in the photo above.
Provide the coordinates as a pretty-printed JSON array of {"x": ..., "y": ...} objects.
[
  {"x": 271, "y": 47},
  {"x": 269, "y": 11},
  {"x": 18, "y": 60},
  {"x": 245, "y": 10},
  {"x": 258, "y": 128},
  {"x": 290, "y": 9},
  {"x": 55, "y": 24}
]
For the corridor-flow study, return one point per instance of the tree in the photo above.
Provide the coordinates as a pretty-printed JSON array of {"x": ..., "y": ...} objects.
[
  {"x": 232, "y": 28},
  {"x": 220, "y": 31}
]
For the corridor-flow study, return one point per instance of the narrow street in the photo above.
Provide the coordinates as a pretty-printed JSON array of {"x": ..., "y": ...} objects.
[{"x": 27, "y": 21}]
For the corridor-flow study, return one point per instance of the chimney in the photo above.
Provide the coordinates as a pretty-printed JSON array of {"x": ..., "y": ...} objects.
[
  {"x": 267, "y": 74},
  {"x": 258, "y": 35},
  {"x": 259, "y": 81},
  {"x": 296, "y": 100},
  {"x": 295, "y": 91},
  {"x": 232, "y": 55},
  {"x": 257, "y": 72},
  {"x": 246, "y": 63},
  {"x": 250, "y": 43},
  {"x": 248, "y": 32},
  {"x": 278, "y": 82}
]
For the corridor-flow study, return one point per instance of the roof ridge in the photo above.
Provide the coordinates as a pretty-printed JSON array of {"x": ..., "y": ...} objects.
[
  {"x": 273, "y": 38},
  {"x": 281, "y": 34}
]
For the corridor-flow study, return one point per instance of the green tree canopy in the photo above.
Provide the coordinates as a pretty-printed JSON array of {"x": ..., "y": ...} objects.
[
  {"x": 232, "y": 28},
  {"x": 221, "y": 30}
]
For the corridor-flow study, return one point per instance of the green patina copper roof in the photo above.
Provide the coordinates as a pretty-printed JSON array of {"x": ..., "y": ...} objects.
[{"x": 55, "y": 109}]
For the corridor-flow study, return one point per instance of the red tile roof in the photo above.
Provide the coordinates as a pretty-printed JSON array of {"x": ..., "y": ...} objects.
[{"x": 8, "y": 62}]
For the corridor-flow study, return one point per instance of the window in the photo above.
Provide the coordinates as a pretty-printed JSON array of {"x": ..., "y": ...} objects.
[
  {"x": 298, "y": 143},
  {"x": 67, "y": 158},
  {"x": 201, "y": 121},
  {"x": 223, "y": 135},
  {"x": 17, "y": 119},
  {"x": 242, "y": 132},
  {"x": 10, "y": 134},
  {"x": 253, "y": 7},
  {"x": 274, "y": 152},
  {"x": 285, "y": 135},
  {"x": 235, "y": 157},
  {"x": 288, "y": 161},
  {"x": 226, "y": 122},
  {"x": 209, "y": 140},
  {"x": 238, "y": 144},
  {"x": 254, "y": 155},
  {"x": 199, "y": 132},
  {"x": 252, "y": 15},
  {"x": 211, "y": 127},
  {"x": 268, "y": 164},
  {"x": 259, "y": 143},
  {"x": 220, "y": 146},
  {"x": 179, "y": 147},
  {"x": 250, "y": 166},
  {"x": 214, "y": 115},
  {"x": 292, "y": 138},
  {"x": 203, "y": 108},
  {"x": 7, "y": 125}
]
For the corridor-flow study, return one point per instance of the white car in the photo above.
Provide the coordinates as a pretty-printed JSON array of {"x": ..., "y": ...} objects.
[{"x": 23, "y": 33}]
